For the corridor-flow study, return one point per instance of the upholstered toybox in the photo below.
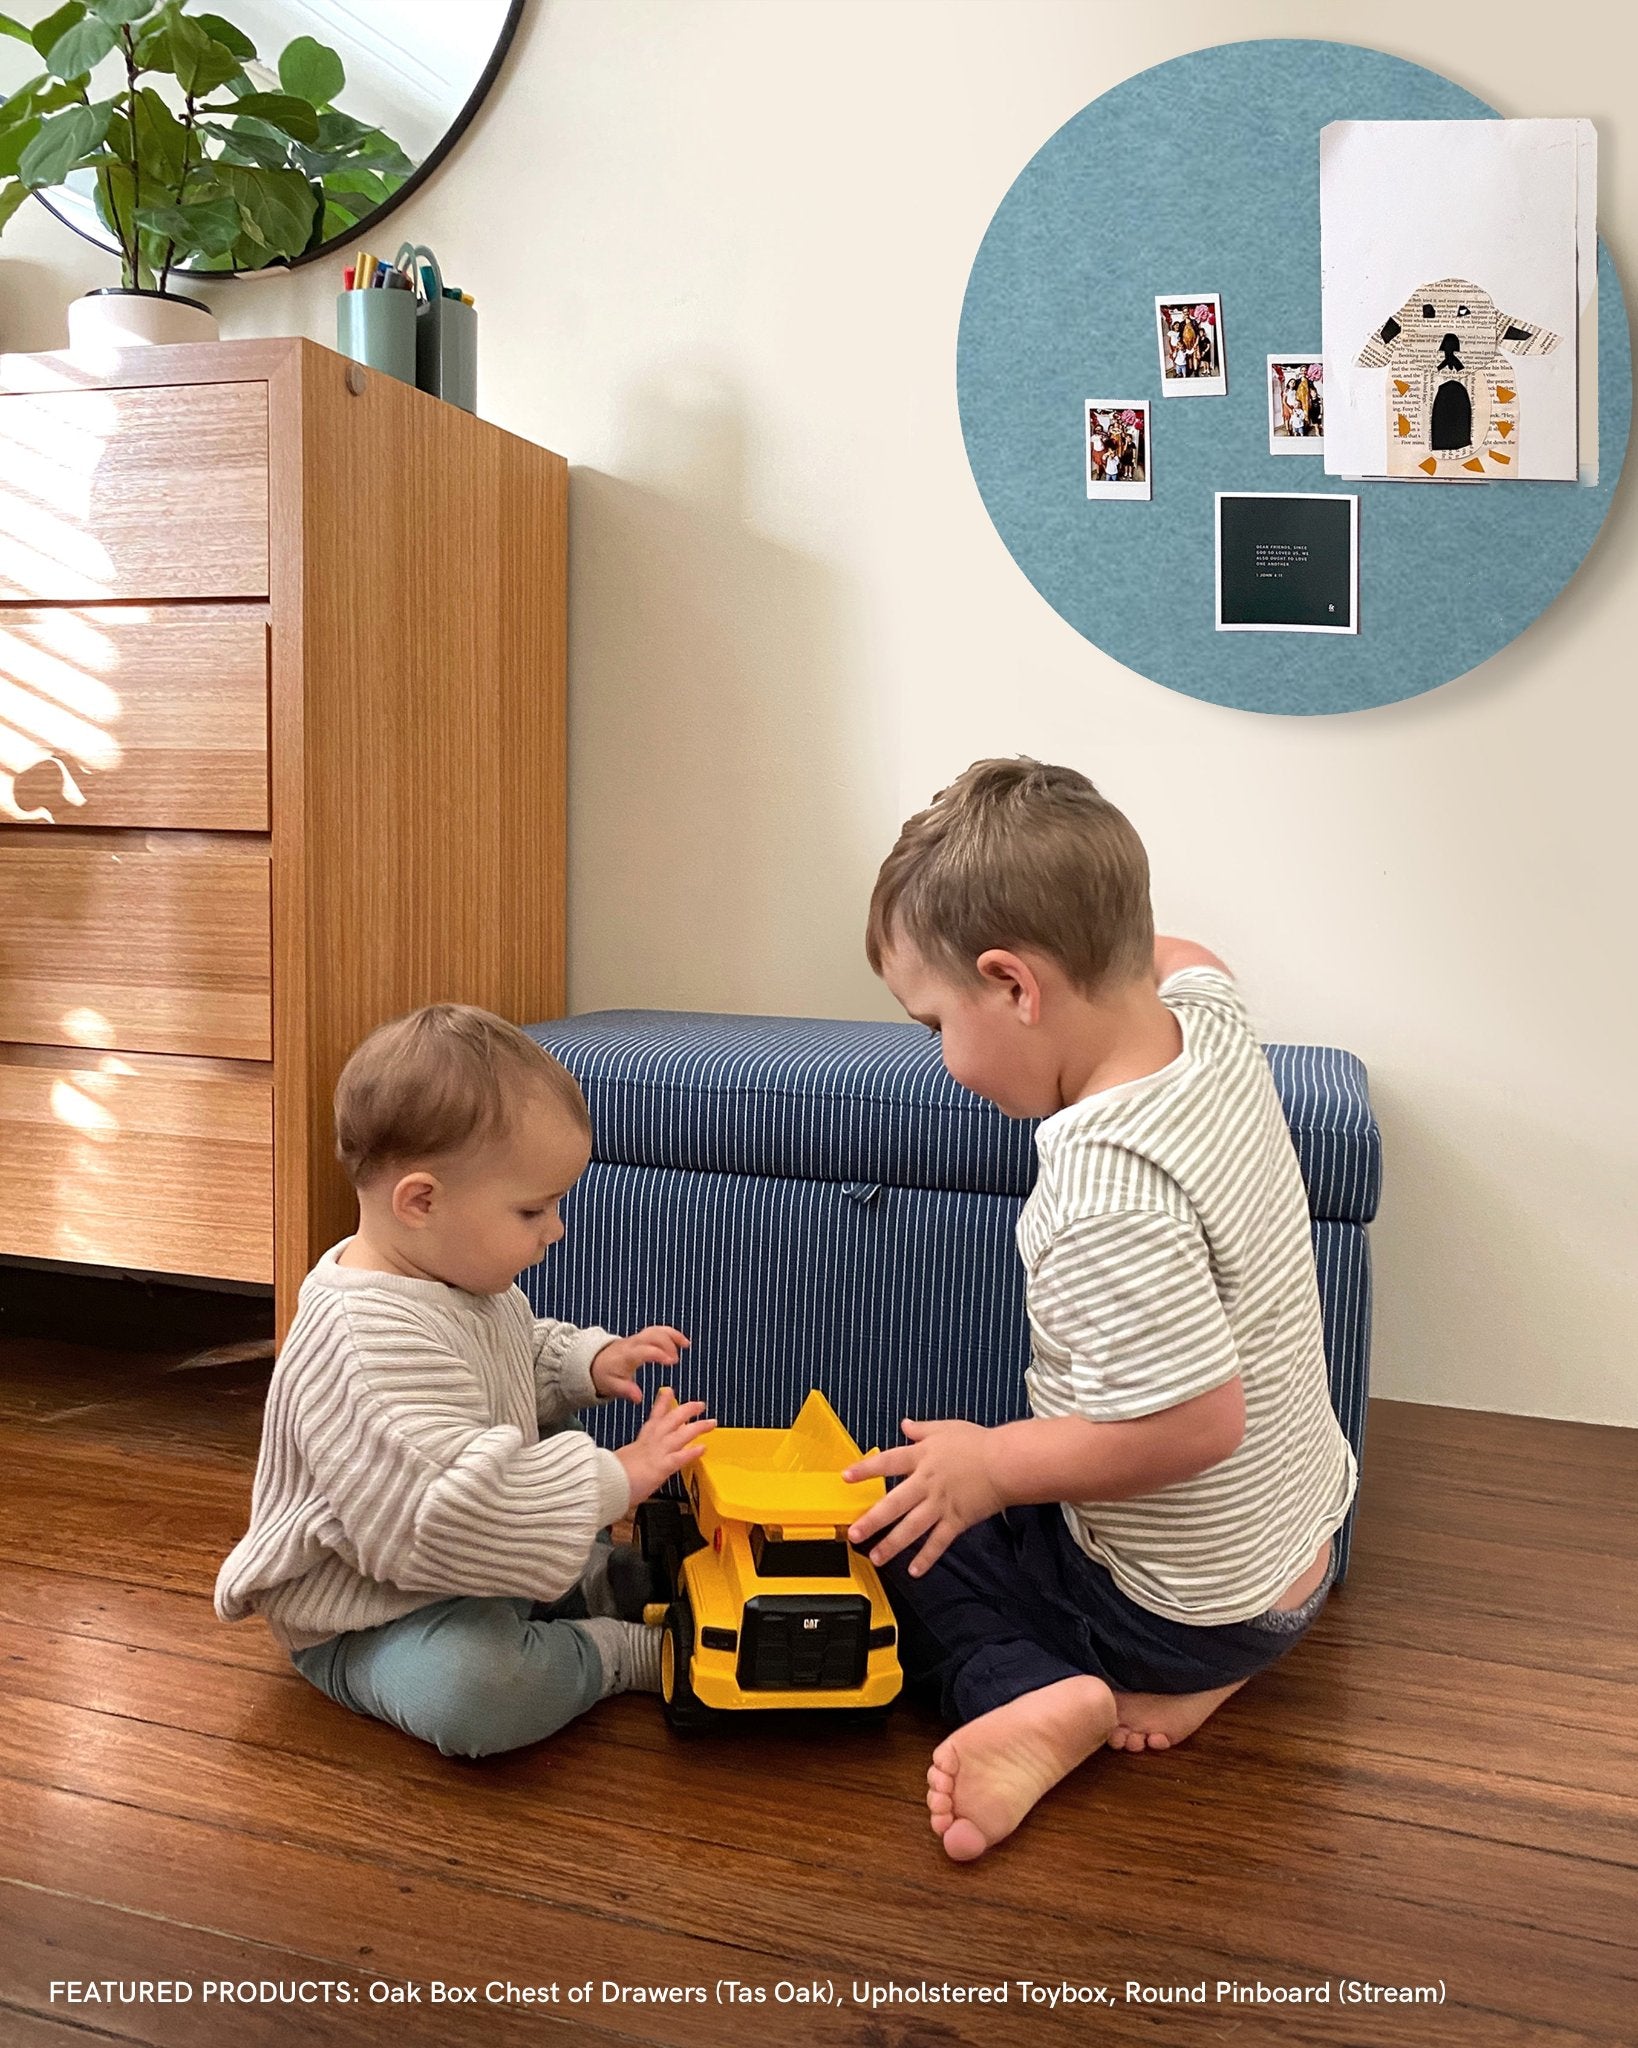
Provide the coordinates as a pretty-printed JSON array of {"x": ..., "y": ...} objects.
[{"x": 819, "y": 1205}]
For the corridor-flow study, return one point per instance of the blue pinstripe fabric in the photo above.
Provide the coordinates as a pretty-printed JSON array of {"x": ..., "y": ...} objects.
[
  {"x": 1342, "y": 1252},
  {"x": 895, "y": 1293},
  {"x": 815, "y": 1099},
  {"x": 893, "y": 1301}
]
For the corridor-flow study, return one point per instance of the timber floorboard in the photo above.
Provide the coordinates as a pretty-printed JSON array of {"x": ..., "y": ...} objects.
[{"x": 1438, "y": 1788}]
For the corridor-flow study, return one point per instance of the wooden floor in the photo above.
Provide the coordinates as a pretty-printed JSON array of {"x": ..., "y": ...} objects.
[{"x": 1439, "y": 1789}]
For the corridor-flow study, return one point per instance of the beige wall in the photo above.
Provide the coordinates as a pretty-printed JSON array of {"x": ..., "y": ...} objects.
[{"x": 719, "y": 248}]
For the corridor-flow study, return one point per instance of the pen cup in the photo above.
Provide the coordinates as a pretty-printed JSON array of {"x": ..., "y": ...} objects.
[
  {"x": 446, "y": 351},
  {"x": 378, "y": 328}
]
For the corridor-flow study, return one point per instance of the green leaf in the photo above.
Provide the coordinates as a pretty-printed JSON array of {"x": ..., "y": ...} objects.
[
  {"x": 205, "y": 227},
  {"x": 147, "y": 270},
  {"x": 77, "y": 53},
  {"x": 153, "y": 46},
  {"x": 117, "y": 13},
  {"x": 200, "y": 62},
  {"x": 61, "y": 142},
  {"x": 115, "y": 192},
  {"x": 374, "y": 153},
  {"x": 337, "y": 130},
  {"x": 367, "y": 185},
  {"x": 389, "y": 159},
  {"x": 56, "y": 26},
  {"x": 21, "y": 105},
  {"x": 276, "y": 207},
  {"x": 346, "y": 144},
  {"x": 339, "y": 220},
  {"x": 311, "y": 71},
  {"x": 279, "y": 110},
  {"x": 227, "y": 35},
  {"x": 381, "y": 153},
  {"x": 50, "y": 94},
  {"x": 22, "y": 116},
  {"x": 249, "y": 145},
  {"x": 12, "y": 196},
  {"x": 161, "y": 140},
  {"x": 8, "y": 27},
  {"x": 13, "y": 141}
]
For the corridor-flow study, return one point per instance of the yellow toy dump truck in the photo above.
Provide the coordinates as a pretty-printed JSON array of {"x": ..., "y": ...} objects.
[{"x": 771, "y": 1608}]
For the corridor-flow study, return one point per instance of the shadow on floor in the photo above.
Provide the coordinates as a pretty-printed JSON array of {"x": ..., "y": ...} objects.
[{"x": 134, "y": 1360}]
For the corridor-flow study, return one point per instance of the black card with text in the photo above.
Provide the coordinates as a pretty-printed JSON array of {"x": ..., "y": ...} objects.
[{"x": 1287, "y": 563}]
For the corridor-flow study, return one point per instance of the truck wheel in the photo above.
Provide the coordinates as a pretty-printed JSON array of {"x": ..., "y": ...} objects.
[
  {"x": 659, "y": 1527},
  {"x": 683, "y": 1710},
  {"x": 868, "y": 1717},
  {"x": 666, "y": 1534}
]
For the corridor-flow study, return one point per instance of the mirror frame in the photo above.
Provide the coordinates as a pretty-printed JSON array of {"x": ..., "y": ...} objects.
[{"x": 355, "y": 235}]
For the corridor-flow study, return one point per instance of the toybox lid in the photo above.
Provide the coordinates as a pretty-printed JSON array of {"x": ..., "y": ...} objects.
[{"x": 810, "y": 1098}]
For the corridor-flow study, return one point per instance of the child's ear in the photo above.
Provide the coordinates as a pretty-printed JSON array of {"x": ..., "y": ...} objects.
[
  {"x": 412, "y": 1199},
  {"x": 1014, "y": 975}
]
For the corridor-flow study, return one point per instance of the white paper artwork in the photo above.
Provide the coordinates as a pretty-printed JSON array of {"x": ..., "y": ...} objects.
[
  {"x": 1452, "y": 399},
  {"x": 1451, "y": 259}
]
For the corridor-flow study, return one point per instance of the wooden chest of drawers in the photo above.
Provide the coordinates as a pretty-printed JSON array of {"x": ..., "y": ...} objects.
[{"x": 281, "y": 756}]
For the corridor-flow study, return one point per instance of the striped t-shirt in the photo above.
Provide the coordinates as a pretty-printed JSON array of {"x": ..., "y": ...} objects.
[
  {"x": 1167, "y": 1248},
  {"x": 417, "y": 1444}
]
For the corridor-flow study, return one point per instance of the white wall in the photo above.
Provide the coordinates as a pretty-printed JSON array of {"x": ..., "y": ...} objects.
[{"x": 719, "y": 248}]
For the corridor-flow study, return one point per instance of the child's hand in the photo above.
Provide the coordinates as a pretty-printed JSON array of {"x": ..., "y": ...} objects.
[
  {"x": 667, "y": 1441},
  {"x": 947, "y": 1486},
  {"x": 614, "y": 1369}
]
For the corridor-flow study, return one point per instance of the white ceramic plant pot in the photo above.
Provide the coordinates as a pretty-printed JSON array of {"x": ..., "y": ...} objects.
[{"x": 117, "y": 317}]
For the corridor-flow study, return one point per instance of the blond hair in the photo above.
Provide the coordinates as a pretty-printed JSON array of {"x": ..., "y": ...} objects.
[
  {"x": 1020, "y": 855},
  {"x": 433, "y": 1082}
]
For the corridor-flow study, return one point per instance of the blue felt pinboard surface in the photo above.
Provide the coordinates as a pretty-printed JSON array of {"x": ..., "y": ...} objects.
[{"x": 1202, "y": 175}]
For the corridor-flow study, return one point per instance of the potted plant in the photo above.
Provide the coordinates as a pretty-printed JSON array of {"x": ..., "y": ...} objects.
[{"x": 195, "y": 167}]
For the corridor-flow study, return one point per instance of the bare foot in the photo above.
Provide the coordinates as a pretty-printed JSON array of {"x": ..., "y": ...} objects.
[
  {"x": 1161, "y": 1720},
  {"x": 987, "y": 1776}
]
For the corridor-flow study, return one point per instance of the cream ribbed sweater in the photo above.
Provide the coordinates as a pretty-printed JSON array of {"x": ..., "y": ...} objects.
[{"x": 414, "y": 1447}]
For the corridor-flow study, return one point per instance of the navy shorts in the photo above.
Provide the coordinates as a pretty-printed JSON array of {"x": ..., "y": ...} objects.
[{"x": 1015, "y": 1604}]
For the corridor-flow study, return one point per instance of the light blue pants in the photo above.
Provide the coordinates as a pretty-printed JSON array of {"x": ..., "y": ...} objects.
[{"x": 473, "y": 1677}]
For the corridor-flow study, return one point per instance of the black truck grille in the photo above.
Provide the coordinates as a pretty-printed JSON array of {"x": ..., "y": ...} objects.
[{"x": 794, "y": 1642}]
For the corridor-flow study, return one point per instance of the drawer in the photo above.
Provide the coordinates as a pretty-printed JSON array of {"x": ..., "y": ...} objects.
[
  {"x": 134, "y": 494},
  {"x": 153, "y": 718},
  {"x": 110, "y": 939},
  {"x": 164, "y": 1165}
]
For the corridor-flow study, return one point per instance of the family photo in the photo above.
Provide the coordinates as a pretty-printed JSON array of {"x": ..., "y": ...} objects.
[
  {"x": 1117, "y": 448},
  {"x": 1296, "y": 405},
  {"x": 1190, "y": 333}
]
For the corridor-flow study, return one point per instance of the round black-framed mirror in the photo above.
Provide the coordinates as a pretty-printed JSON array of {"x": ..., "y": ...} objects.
[{"x": 414, "y": 73}]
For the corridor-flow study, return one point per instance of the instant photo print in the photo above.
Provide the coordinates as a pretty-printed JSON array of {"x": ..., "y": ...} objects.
[
  {"x": 1119, "y": 459},
  {"x": 1189, "y": 328},
  {"x": 1296, "y": 403}
]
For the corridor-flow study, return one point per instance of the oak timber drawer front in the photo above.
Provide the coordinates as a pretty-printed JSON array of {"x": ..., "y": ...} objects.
[
  {"x": 158, "y": 719},
  {"x": 134, "y": 494},
  {"x": 113, "y": 940},
  {"x": 166, "y": 1165}
]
